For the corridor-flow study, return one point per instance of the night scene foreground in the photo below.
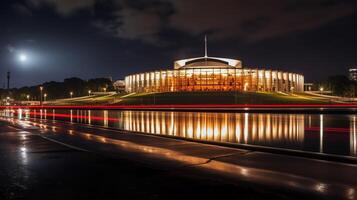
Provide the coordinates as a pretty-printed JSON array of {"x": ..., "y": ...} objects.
[
  {"x": 95, "y": 154},
  {"x": 178, "y": 99}
]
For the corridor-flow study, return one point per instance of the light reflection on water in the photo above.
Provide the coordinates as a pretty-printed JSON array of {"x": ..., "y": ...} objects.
[
  {"x": 335, "y": 134},
  {"x": 220, "y": 127}
]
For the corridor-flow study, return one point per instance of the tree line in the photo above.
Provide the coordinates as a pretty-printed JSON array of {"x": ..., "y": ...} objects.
[
  {"x": 58, "y": 90},
  {"x": 340, "y": 85}
]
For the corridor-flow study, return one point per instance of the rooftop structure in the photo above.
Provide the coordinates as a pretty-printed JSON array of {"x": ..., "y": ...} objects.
[{"x": 214, "y": 74}]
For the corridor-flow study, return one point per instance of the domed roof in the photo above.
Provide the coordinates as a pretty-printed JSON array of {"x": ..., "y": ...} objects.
[{"x": 205, "y": 62}]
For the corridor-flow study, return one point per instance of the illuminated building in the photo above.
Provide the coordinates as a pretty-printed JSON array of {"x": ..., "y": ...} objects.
[
  {"x": 353, "y": 74},
  {"x": 309, "y": 87},
  {"x": 119, "y": 85},
  {"x": 214, "y": 74}
]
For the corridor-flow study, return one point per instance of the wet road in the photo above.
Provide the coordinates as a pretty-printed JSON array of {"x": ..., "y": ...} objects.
[{"x": 57, "y": 160}]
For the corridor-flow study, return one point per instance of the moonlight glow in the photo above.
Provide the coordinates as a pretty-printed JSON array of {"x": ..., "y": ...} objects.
[{"x": 23, "y": 57}]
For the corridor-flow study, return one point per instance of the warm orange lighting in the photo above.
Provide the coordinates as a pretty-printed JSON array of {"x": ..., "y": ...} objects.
[
  {"x": 218, "y": 127},
  {"x": 245, "y": 86},
  {"x": 214, "y": 79}
]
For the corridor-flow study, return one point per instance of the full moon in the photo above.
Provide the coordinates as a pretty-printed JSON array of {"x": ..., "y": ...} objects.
[{"x": 22, "y": 57}]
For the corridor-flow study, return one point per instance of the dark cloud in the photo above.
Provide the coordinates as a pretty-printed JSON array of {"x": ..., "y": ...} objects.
[
  {"x": 230, "y": 18},
  {"x": 64, "y": 7},
  {"x": 22, "y": 9},
  {"x": 252, "y": 20},
  {"x": 11, "y": 48}
]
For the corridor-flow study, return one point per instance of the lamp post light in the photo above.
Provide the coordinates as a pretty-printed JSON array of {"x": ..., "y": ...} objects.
[
  {"x": 71, "y": 94},
  {"x": 105, "y": 89},
  {"x": 321, "y": 90},
  {"x": 41, "y": 90},
  {"x": 28, "y": 97},
  {"x": 45, "y": 96},
  {"x": 89, "y": 92}
]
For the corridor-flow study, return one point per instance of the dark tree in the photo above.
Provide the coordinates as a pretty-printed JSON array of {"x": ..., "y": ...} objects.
[
  {"x": 57, "y": 90},
  {"x": 340, "y": 85}
]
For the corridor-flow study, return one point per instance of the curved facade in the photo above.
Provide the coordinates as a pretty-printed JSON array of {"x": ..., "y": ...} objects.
[{"x": 214, "y": 74}]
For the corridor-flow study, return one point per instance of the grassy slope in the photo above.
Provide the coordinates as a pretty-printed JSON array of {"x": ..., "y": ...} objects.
[
  {"x": 219, "y": 98},
  {"x": 88, "y": 100},
  {"x": 194, "y": 98}
]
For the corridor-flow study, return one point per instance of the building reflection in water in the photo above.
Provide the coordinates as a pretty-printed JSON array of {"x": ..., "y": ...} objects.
[
  {"x": 220, "y": 127},
  {"x": 105, "y": 118},
  {"x": 353, "y": 136},
  {"x": 71, "y": 115},
  {"x": 311, "y": 132},
  {"x": 321, "y": 133}
]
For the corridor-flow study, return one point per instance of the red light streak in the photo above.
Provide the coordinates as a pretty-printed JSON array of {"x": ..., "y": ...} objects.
[
  {"x": 73, "y": 116},
  {"x": 177, "y": 106},
  {"x": 329, "y": 129}
]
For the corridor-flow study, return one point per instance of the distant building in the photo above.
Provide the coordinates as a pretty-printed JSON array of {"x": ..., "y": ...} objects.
[
  {"x": 119, "y": 85},
  {"x": 308, "y": 86},
  {"x": 353, "y": 74}
]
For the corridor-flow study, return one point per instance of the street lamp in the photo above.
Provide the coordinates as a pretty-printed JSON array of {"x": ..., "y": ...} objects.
[
  {"x": 321, "y": 89},
  {"x": 89, "y": 92},
  {"x": 105, "y": 89},
  {"x": 45, "y": 96},
  {"x": 71, "y": 94},
  {"x": 28, "y": 97},
  {"x": 41, "y": 89}
]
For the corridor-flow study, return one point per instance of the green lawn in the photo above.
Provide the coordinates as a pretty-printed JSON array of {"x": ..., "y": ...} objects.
[
  {"x": 193, "y": 98},
  {"x": 218, "y": 98},
  {"x": 88, "y": 100}
]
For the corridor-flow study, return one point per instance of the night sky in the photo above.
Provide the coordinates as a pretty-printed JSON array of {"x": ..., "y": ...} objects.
[{"x": 114, "y": 38}]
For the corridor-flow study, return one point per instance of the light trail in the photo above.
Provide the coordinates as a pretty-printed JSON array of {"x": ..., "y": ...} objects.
[{"x": 183, "y": 106}]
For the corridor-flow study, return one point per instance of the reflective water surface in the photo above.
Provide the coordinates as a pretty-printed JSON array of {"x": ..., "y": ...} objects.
[{"x": 325, "y": 133}]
